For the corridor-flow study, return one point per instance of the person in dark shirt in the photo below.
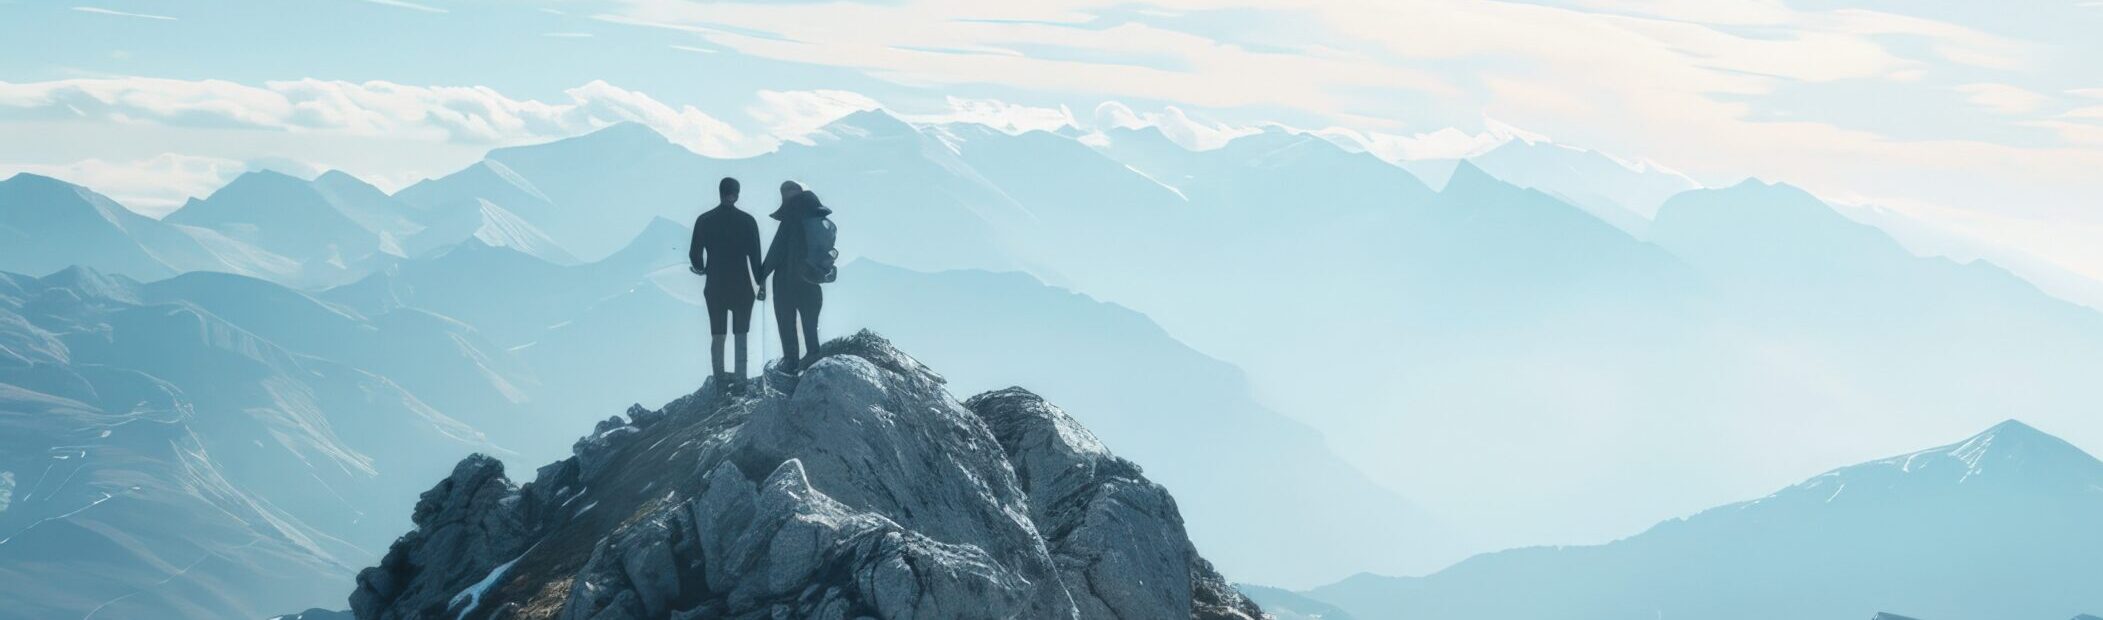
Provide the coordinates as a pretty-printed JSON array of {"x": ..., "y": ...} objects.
[
  {"x": 725, "y": 250},
  {"x": 795, "y": 294}
]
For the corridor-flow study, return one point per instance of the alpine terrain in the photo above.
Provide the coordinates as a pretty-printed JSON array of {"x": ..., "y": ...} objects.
[{"x": 860, "y": 489}]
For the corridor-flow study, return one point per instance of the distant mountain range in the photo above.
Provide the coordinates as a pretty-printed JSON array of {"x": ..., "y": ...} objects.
[
  {"x": 1999, "y": 526},
  {"x": 1502, "y": 351},
  {"x": 303, "y": 233},
  {"x": 49, "y": 225}
]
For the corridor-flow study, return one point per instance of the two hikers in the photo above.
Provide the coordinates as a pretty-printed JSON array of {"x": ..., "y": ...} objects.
[{"x": 725, "y": 250}]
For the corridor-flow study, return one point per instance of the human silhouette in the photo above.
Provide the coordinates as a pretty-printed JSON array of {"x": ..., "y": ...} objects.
[
  {"x": 725, "y": 250},
  {"x": 798, "y": 298}
]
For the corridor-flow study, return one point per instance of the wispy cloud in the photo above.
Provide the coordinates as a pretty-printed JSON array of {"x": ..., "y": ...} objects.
[
  {"x": 690, "y": 48},
  {"x": 102, "y": 11},
  {"x": 1005, "y": 116},
  {"x": 464, "y": 115},
  {"x": 795, "y": 115},
  {"x": 405, "y": 4},
  {"x": 2004, "y": 98}
]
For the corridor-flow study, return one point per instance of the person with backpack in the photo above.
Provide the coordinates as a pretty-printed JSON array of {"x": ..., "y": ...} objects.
[
  {"x": 725, "y": 250},
  {"x": 801, "y": 258}
]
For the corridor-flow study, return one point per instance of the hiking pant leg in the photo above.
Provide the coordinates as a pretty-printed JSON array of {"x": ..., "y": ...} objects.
[
  {"x": 718, "y": 315},
  {"x": 813, "y": 303},
  {"x": 728, "y": 311},
  {"x": 740, "y": 324},
  {"x": 785, "y": 320},
  {"x": 740, "y": 359}
]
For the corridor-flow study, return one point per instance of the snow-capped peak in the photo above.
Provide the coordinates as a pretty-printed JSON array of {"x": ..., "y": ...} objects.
[
  {"x": 2008, "y": 448},
  {"x": 1507, "y": 132}
]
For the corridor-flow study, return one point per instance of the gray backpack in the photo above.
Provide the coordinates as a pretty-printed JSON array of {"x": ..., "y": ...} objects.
[{"x": 821, "y": 257}]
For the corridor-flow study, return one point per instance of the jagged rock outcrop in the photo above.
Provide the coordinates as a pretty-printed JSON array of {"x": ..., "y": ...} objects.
[
  {"x": 1116, "y": 537},
  {"x": 861, "y": 490}
]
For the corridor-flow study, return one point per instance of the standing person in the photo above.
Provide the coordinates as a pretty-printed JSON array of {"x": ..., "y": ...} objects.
[
  {"x": 797, "y": 295},
  {"x": 725, "y": 250}
]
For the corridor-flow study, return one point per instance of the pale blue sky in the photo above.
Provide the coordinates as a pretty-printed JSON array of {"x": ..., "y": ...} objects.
[{"x": 1983, "y": 117}]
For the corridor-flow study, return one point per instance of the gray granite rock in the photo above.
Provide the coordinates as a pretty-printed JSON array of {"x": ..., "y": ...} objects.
[
  {"x": 466, "y": 526},
  {"x": 860, "y": 490},
  {"x": 1116, "y": 537}
]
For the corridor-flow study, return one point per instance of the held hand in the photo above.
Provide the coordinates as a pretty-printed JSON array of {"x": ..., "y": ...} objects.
[
  {"x": 762, "y": 293},
  {"x": 696, "y": 270}
]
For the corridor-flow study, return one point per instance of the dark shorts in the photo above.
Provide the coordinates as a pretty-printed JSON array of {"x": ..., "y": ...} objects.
[{"x": 728, "y": 306}]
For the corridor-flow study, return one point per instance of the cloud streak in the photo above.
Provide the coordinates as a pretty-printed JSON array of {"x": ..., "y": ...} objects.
[
  {"x": 103, "y": 11},
  {"x": 2004, "y": 98},
  {"x": 794, "y": 115},
  {"x": 404, "y": 4}
]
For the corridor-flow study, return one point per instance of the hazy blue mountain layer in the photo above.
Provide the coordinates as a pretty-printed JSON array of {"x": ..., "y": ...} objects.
[
  {"x": 1999, "y": 526},
  {"x": 209, "y": 445},
  {"x": 1511, "y": 359}
]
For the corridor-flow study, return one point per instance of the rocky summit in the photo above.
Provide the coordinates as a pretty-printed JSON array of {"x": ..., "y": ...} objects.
[{"x": 861, "y": 489}]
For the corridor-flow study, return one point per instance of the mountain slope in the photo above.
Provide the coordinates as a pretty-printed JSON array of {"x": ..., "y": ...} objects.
[
  {"x": 287, "y": 216},
  {"x": 446, "y": 363},
  {"x": 1625, "y": 194},
  {"x": 47, "y": 225},
  {"x": 375, "y": 211},
  {"x": 486, "y": 222},
  {"x": 508, "y": 295},
  {"x": 210, "y": 445},
  {"x": 885, "y": 498},
  {"x": 485, "y": 180},
  {"x": 1996, "y": 527},
  {"x": 115, "y": 507},
  {"x": 607, "y": 185}
]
